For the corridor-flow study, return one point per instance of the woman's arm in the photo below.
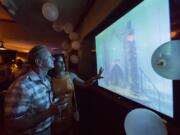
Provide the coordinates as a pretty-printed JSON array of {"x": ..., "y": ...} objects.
[{"x": 89, "y": 82}]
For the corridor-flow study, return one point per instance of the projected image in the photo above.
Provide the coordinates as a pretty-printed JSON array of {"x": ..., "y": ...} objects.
[{"x": 124, "y": 50}]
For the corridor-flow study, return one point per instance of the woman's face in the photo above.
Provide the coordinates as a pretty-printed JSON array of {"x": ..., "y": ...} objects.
[{"x": 60, "y": 65}]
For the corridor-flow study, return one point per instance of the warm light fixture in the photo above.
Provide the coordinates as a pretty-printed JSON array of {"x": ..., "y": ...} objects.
[{"x": 2, "y": 46}]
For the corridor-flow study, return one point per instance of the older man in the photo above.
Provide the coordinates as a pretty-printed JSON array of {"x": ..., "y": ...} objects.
[{"x": 28, "y": 105}]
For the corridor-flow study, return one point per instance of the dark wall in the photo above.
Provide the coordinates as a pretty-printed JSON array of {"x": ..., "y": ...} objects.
[
  {"x": 103, "y": 113},
  {"x": 87, "y": 62},
  {"x": 98, "y": 115}
]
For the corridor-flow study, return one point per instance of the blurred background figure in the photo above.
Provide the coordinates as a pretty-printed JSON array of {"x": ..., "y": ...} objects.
[
  {"x": 5, "y": 75},
  {"x": 18, "y": 68}
]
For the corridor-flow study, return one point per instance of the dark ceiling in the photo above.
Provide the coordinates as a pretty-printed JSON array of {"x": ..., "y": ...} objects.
[
  {"x": 34, "y": 27},
  {"x": 28, "y": 15}
]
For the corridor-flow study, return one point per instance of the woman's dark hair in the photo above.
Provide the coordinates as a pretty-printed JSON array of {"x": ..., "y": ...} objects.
[{"x": 56, "y": 56}]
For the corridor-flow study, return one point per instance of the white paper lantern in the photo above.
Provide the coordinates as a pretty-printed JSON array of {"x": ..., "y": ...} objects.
[
  {"x": 68, "y": 28},
  {"x": 74, "y": 59},
  {"x": 12, "y": 11},
  {"x": 57, "y": 26},
  {"x": 9, "y": 4},
  {"x": 73, "y": 36},
  {"x": 4, "y": 3},
  {"x": 141, "y": 120},
  {"x": 50, "y": 11},
  {"x": 75, "y": 45}
]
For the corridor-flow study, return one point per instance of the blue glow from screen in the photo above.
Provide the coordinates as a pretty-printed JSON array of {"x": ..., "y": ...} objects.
[{"x": 124, "y": 50}]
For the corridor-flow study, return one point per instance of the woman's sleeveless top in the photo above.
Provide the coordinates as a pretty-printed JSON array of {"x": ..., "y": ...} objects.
[{"x": 64, "y": 88}]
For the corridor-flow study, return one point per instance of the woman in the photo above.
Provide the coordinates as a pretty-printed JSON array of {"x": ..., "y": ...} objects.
[{"x": 63, "y": 87}]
